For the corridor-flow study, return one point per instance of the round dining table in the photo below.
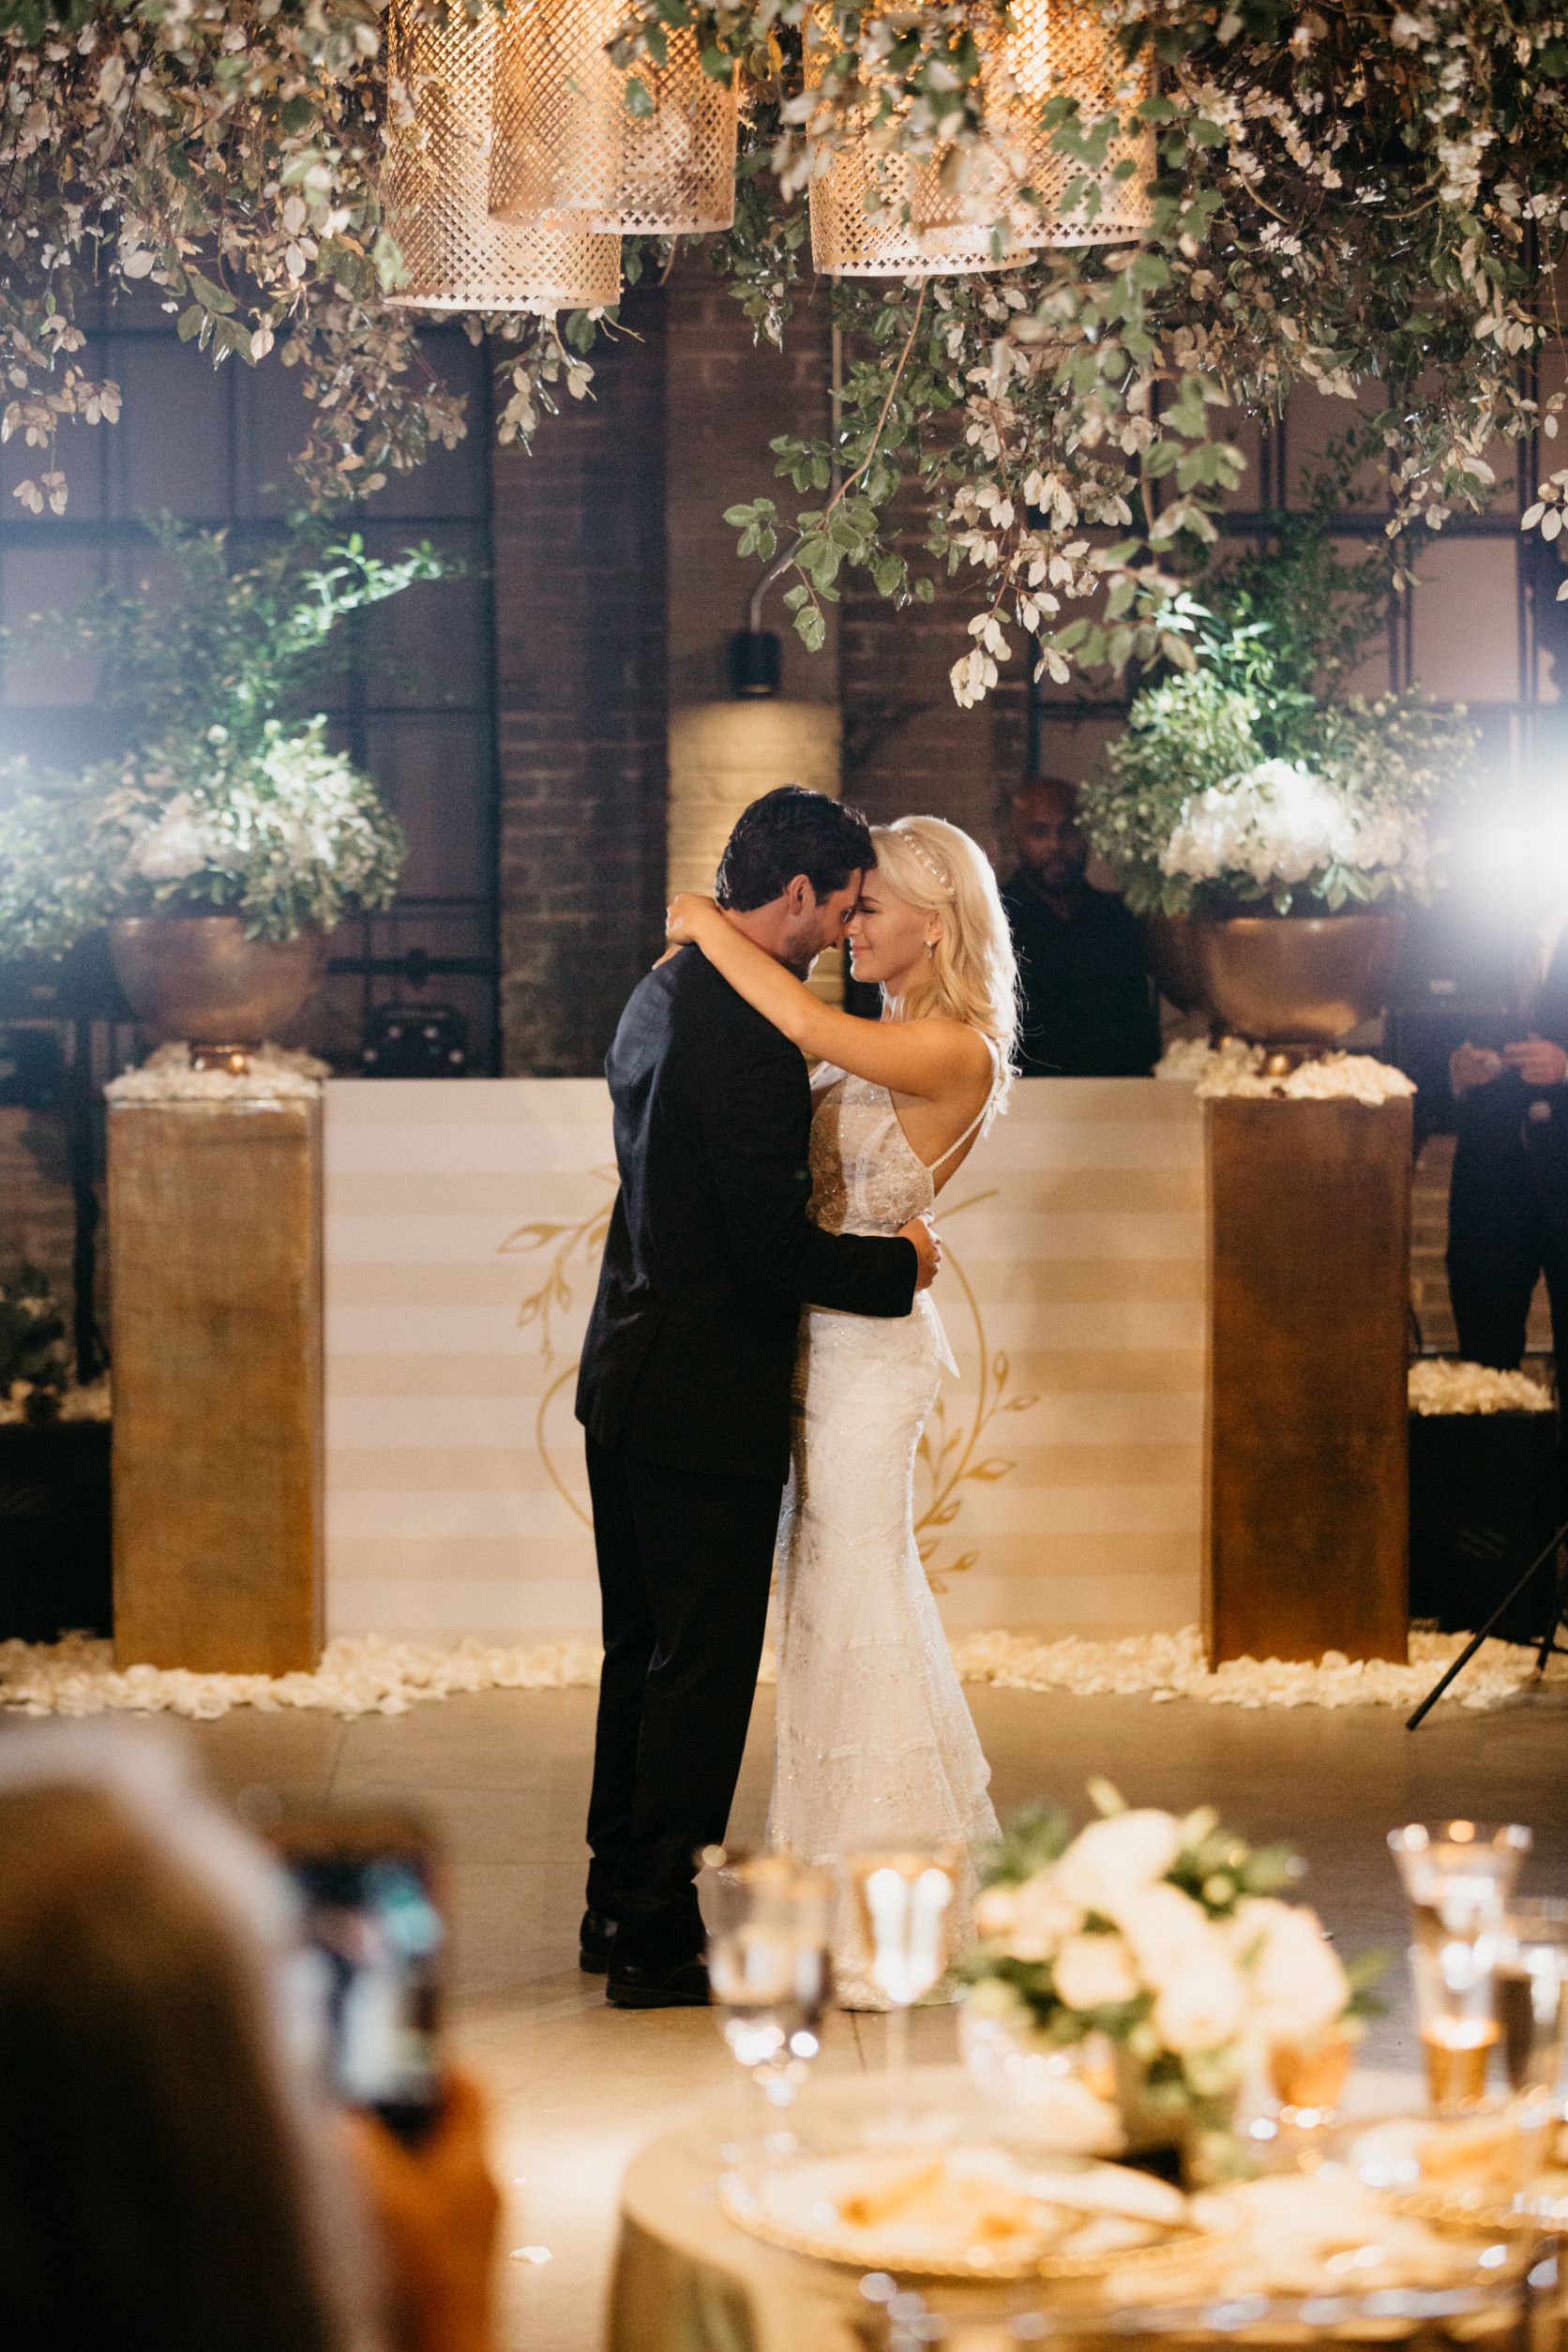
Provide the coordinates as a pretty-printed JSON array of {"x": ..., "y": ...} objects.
[{"x": 687, "y": 2279}]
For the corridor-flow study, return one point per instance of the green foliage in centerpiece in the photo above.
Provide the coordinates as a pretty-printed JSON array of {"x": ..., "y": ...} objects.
[
  {"x": 1166, "y": 1935},
  {"x": 1252, "y": 781},
  {"x": 219, "y": 799}
]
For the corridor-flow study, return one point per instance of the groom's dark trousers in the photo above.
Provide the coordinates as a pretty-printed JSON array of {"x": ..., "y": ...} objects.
[{"x": 684, "y": 1395}]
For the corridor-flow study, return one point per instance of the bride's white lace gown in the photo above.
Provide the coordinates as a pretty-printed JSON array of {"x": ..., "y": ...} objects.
[{"x": 876, "y": 1746}]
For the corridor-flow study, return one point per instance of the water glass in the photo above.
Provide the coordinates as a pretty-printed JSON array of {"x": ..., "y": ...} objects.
[
  {"x": 769, "y": 1962},
  {"x": 1531, "y": 1995},
  {"x": 1458, "y": 1878},
  {"x": 905, "y": 1899}
]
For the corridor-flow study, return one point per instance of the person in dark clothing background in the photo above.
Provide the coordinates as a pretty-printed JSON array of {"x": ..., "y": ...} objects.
[
  {"x": 1089, "y": 1008},
  {"x": 1508, "y": 1200}
]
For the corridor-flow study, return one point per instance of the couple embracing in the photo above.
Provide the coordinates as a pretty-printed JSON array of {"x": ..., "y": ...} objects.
[{"x": 771, "y": 1241}]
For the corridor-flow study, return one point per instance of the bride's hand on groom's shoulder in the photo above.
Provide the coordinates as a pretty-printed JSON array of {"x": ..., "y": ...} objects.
[{"x": 684, "y": 913}]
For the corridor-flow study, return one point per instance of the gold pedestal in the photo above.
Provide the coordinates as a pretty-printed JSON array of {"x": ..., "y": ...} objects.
[
  {"x": 1307, "y": 1480},
  {"x": 215, "y": 1234}
]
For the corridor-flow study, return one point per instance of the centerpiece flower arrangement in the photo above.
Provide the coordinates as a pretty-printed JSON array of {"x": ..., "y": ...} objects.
[
  {"x": 221, "y": 797},
  {"x": 1165, "y": 1935},
  {"x": 1251, "y": 782}
]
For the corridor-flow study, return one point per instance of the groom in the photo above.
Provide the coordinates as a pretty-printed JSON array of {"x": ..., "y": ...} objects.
[{"x": 685, "y": 1385}]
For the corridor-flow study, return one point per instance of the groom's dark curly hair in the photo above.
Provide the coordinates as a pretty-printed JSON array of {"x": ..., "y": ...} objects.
[{"x": 791, "y": 832}]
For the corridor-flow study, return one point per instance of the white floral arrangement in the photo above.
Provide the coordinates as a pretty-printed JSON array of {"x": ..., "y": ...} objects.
[
  {"x": 1439, "y": 1385},
  {"x": 1234, "y": 1067},
  {"x": 280, "y": 830},
  {"x": 273, "y": 1074},
  {"x": 1166, "y": 1935},
  {"x": 1278, "y": 823}
]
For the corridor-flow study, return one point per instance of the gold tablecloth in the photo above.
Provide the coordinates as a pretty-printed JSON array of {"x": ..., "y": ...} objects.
[{"x": 687, "y": 2279}]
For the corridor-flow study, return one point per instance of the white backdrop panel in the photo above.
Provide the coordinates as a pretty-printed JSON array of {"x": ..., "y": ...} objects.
[{"x": 1060, "y": 1486}]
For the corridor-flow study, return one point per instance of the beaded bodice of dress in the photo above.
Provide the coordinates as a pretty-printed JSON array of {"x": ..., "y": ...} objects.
[{"x": 865, "y": 1175}]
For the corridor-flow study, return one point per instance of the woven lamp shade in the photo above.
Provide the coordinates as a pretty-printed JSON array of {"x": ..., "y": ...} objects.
[
  {"x": 568, "y": 146},
  {"x": 904, "y": 236},
  {"x": 1061, "y": 48},
  {"x": 435, "y": 190}
]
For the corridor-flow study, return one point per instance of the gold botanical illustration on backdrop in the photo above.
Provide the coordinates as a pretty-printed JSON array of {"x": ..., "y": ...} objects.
[{"x": 955, "y": 1446}]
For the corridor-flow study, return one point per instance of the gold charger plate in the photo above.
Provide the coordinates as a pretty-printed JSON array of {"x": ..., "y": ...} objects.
[{"x": 740, "y": 2203}]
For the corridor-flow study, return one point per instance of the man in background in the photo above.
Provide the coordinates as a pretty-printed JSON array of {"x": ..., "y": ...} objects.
[
  {"x": 1508, "y": 1202},
  {"x": 1089, "y": 1008}
]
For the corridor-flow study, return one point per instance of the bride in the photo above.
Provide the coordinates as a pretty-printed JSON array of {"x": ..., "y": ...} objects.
[{"x": 876, "y": 1747}]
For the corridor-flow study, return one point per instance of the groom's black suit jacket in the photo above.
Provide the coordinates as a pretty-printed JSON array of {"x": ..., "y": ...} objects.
[{"x": 711, "y": 1253}]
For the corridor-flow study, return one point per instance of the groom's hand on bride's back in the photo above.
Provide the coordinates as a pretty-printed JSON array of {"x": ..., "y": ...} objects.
[{"x": 928, "y": 1248}]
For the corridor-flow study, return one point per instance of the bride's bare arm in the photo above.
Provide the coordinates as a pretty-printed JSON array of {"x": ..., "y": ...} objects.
[{"x": 927, "y": 1059}]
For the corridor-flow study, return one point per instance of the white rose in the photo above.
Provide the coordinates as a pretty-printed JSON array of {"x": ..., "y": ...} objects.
[
  {"x": 1203, "y": 2007},
  {"x": 1112, "y": 1858},
  {"x": 1169, "y": 1934},
  {"x": 1095, "y": 1972},
  {"x": 1299, "y": 1989},
  {"x": 1042, "y": 1916},
  {"x": 997, "y": 1910}
]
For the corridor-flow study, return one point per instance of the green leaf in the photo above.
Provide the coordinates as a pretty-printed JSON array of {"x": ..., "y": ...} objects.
[
  {"x": 191, "y": 322},
  {"x": 811, "y": 628},
  {"x": 638, "y": 97},
  {"x": 297, "y": 114},
  {"x": 210, "y": 297}
]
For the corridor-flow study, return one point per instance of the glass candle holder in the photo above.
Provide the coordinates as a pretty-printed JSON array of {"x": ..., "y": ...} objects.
[
  {"x": 1458, "y": 1877},
  {"x": 905, "y": 1900}
]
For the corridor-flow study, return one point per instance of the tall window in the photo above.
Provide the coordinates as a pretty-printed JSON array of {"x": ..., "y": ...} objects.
[{"x": 418, "y": 706}]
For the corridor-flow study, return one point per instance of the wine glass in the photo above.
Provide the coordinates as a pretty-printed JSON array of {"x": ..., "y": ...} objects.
[
  {"x": 769, "y": 1964},
  {"x": 1459, "y": 1879},
  {"x": 1532, "y": 1992},
  {"x": 905, "y": 1899}
]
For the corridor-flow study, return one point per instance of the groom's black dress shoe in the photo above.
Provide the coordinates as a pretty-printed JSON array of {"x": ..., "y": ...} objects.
[
  {"x": 595, "y": 1939},
  {"x": 664, "y": 1984}
]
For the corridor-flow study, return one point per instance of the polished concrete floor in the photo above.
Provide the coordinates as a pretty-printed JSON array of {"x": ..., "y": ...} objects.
[{"x": 577, "y": 2086}]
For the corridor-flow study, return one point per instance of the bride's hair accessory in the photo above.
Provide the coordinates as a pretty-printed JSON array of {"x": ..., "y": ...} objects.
[{"x": 927, "y": 858}]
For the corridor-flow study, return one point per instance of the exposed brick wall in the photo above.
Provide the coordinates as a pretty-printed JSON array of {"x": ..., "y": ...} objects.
[
  {"x": 729, "y": 395},
  {"x": 581, "y": 700},
  {"x": 908, "y": 747}
]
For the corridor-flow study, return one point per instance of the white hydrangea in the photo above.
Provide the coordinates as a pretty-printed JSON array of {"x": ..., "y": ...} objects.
[{"x": 1279, "y": 822}]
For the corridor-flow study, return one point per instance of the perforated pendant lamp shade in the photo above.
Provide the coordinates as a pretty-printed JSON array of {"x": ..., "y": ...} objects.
[
  {"x": 567, "y": 144},
  {"x": 874, "y": 214},
  {"x": 1062, "y": 48},
  {"x": 435, "y": 189}
]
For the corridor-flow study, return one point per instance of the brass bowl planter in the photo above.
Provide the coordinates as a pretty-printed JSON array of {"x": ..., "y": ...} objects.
[
  {"x": 1293, "y": 980},
  {"x": 196, "y": 978},
  {"x": 1167, "y": 943}
]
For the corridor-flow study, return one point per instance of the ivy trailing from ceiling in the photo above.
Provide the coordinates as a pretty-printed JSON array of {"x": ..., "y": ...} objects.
[{"x": 1366, "y": 199}]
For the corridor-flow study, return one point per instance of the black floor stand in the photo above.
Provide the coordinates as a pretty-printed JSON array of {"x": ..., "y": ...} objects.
[{"x": 1550, "y": 1645}]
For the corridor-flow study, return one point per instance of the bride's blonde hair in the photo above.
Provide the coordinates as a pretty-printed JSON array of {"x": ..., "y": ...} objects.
[{"x": 971, "y": 975}]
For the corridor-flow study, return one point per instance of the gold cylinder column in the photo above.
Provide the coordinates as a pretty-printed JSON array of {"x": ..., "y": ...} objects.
[
  {"x": 568, "y": 146},
  {"x": 435, "y": 189}
]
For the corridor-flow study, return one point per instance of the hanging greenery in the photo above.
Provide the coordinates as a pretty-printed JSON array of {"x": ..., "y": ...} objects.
[{"x": 1364, "y": 197}]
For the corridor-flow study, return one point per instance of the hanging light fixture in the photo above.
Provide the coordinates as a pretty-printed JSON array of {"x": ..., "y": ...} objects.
[
  {"x": 435, "y": 189},
  {"x": 1050, "y": 48},
  {"x": 567, "y": 144},
  {"x": 880, "y": 215},
  {"x": 1062, "y": 49}
]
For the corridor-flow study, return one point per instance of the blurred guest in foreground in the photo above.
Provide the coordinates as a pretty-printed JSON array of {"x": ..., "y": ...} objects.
[
  {"x": 166, "y": 2177},
  {"x": 1088, "y": 1003}
]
